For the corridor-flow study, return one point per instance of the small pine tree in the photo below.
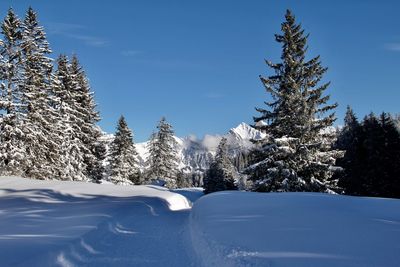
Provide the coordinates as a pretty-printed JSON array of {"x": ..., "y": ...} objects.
[
  {"x": 100, "y": 153},
  {"x": 222, "y": 174},
  {"x": 349, "y": 131},
  {"x": 123, "y": 156},
  {"x": 162, "y": 155},
  {"x": 183, "y": 180},
  {"x": 296, "y": 154}
]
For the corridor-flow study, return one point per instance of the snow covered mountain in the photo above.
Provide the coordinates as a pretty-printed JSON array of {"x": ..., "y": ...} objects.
[{"x": 195, "y": 155}]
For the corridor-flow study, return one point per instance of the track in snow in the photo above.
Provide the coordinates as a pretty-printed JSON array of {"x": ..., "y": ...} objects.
[{"x": 41, "y": 226}]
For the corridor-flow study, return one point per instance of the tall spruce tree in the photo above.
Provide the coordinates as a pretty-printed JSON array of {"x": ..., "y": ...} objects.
[
  {"x": 162, "y": 155},
  {"x": 73, "y": 166},
  {"x": 297, "y": 153},
  {"x": 12, "y": 146},
  {"x": 123, "y": 156},
  {"x": 41, "y": 136},
  {"x": 222, "y": 174},
  {"x": 89, "y": 131}
]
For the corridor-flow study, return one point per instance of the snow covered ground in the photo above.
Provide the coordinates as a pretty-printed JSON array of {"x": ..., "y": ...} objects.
[
  {"x": 295, "y": 229},
  {"x": 53, "y": 223}
]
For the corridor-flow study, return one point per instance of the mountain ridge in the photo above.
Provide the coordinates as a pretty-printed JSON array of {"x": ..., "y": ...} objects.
[{"x": 196, "y": 155}]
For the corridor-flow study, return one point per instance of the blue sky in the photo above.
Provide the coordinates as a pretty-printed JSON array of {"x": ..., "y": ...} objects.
[{"x": 197, "y": 62}]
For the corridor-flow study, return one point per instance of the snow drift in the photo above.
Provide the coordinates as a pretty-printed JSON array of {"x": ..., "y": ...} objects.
[
  {"x": 55, "y": 223},
  {"x": 295, "y": 229}
]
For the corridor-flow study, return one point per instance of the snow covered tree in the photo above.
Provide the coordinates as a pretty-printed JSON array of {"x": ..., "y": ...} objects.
[
  {"x": 41, "y": 136},
  {"x": 222, "y": 174},
  {"x": 12, "y": 146},
  {"x": 123, "y": 156},
  {"x": 162, "y": 155},
  {"x": 72, "y": 162},
  {"x": 296, "y": 154},
  {"x": 89, "y": 132}
]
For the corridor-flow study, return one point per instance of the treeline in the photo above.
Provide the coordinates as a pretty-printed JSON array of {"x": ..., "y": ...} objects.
[
  {"x": 371, "y": 165},
  {"x": 48, "y": 118},
  {"x": 48, "y": 114}
]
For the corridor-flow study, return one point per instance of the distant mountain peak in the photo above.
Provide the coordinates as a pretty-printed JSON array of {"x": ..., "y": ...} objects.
[
  {"x": 245, "y": 132},
  {"x": 197, "y": 154}
]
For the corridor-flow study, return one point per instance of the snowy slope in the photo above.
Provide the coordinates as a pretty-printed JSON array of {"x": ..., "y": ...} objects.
[
  {"x": 54, "y": 223},
  {"x": 295, "y": 229}
]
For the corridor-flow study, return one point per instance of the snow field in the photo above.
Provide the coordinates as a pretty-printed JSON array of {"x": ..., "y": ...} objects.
[
  {"x": 54, "y": 223},
  {"x": 295, "y": 229}
]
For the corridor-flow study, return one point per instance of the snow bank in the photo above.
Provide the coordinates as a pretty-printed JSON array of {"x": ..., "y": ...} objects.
[
  {"x": 54, "y": 223},
  {"x": 295, "y": 229},
  {"x": 29, "y": 188}
]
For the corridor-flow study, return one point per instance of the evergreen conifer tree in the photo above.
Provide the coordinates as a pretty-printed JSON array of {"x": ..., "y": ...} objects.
[
  {"x": 347, "y": 141},
  {"x": 222, "y": 174},
  {"x": 41, "y": 136},
  {"x": 89, "y": 132},
  {"x": 162, "y": 155},
  {"x": 72, "y": 162},
  {"x": 183, "y": 180},
  {"x": 123, "y": 156},
  {"x": 100, "y": 152},
  {"x": 297, "y": 153},
  {"x": 12, "y": 146},
  {"x": 349, "y": 131},
  {"x": 371, "y": 160}
]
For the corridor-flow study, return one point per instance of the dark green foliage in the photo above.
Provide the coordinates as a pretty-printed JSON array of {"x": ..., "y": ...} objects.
[
  {"x": 183, "y": 180},
  {"x": 372, "y": 160},
  {"x": 222, "y": 174},
  {"x": 296, "y": 154},
  {"x": 100, "y": 152},
  {"x": 349, "y": 132}
]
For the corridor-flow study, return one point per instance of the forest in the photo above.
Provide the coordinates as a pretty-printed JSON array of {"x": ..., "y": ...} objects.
[{"x": 49, "y": 128}]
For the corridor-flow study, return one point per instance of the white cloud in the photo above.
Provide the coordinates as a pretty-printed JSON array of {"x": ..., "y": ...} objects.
[
  {"x": 211, "y": 141},
  {"x": 393, "y": 47},
  {"x": 89, "y": 40},
  {"x": 75, "y": 31},
  {"x": 192, "y": 137},
  {"x": 60, "y": 28}
]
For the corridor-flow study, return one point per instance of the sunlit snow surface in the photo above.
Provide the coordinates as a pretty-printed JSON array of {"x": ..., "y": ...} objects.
[
  {"x": 295, "y": 229},
  {"x": 53, "y": 223}
]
